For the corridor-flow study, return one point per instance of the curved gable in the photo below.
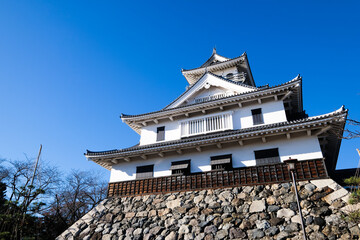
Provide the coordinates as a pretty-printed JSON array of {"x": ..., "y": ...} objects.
[{"x": 209, "y": 87}]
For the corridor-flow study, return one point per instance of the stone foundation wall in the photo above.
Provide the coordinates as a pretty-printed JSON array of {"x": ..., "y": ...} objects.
[{"x": 252, "y": 212}]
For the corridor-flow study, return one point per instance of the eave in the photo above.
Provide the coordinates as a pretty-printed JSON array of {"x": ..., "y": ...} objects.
[
  {"x": 192, "y": 75},
  {"x": 280, "y": 92},
  {"x": 328, "y": 125}
]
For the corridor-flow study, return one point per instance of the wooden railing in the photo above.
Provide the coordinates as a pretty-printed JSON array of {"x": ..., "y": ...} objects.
[{"x": 264, "y": 174}]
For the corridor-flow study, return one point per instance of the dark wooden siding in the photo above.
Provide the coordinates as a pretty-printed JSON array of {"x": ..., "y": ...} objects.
[{"x": 257, "y": 175}]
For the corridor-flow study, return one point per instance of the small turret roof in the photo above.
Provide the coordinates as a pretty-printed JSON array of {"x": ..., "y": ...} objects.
[
  {"x": 214, "y": 59},
  {"x": 216, "y": 63}
]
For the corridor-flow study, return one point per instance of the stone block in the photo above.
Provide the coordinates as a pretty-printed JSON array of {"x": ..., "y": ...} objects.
[
  {"x": 173, "y": 204},
  {"x": 257, "y": 206},
  {"x": 285, "y": 213},
  {"x": 296, "y": 219},
  {"x": 335, "y": 195},
  {"x": 130, "y": 215},
  {"x": 321, "y": 183},
  {"x": 335, "y": 186},
  {"x": 350, "y": 208}
]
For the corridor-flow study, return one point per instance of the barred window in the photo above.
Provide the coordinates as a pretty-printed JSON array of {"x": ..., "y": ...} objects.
[
  {"x": 267, "y": 156},
  {"x": 180, "y": 167},
  {"x": 160, "y": 134},
  {"x": 144, "y": 171},
  {"x": 221, "y": 162},
  {"x": 257, "y": 116}
]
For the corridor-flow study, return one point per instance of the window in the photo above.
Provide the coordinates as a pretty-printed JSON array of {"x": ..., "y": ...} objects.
[
  {"x": 144, "y": 172},
  {"x": 257, "y": 116},
  {"x": 180, "y": 167},
  {"x": 267, "y": 156},
  {"x": 160, "y": 134},
  {"x": 207, "y": 124},
  {"x": 222, "y": 162}
]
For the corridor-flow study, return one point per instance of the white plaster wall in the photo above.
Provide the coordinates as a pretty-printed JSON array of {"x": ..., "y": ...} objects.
[
  {"x": 273, "y": 112},
  {"x": 300, "y": 148},
  {"x": 172, "y": 132}
]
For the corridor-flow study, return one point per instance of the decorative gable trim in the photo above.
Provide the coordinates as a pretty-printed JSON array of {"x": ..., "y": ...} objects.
[{"x": 209, "y": 79}]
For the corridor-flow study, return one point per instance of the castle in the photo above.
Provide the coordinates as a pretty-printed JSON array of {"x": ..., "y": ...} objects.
[
  {"x": 224, "y": 131},
  {"x": 213, "y": 164}
]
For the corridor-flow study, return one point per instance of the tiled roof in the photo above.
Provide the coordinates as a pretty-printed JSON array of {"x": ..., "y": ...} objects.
[
  {"x": 188, "y": 70},
  {"x": 257, "y": 90},
  {"x": 339, "y": 112}
]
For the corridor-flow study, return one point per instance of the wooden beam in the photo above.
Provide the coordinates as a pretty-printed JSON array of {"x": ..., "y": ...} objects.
[
  {"x": 241, "y": 142},
  {"x": 288, "y": 136},
  {"x": 308, "y": 132},
  {"x": 144, "y": 157},
  {"x": 219, "y": 145},
  {"x": 259, "y": 100},
  {"x": 275, "y": 97},
  {"x": 186, "y": 114},
  {"x": 263, "y": 139},
  {"x": 144, "y": 124},
  {"x": 156, "y": 121},
  {"x": 221, "y": 108},
  {"x": 286, "y": 95},
  {"x": 203, "y": 111},
  {"x": 322, "y": 130},
  {"x": 161, "y": 154},
  {"x": 171, "y": 118},
  {"x": 115, "y": 161},
  {"x": 198, "y": 149},
  {"x": 240, "y": 105},
  {"x": 179, "y": 151},
  {"x": 127, "y": 159}
]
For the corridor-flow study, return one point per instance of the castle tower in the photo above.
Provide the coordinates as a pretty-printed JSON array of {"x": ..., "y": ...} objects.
[{"x": 223, "y": 127}]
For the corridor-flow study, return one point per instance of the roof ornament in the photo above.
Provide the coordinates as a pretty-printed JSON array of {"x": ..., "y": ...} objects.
[{"x": 214, "y": 50}]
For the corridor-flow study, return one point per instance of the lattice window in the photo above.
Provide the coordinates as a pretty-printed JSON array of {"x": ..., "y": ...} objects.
[
  {"x": 267, "y": 156},
  {"x": 180, "y": 167},
  {"x": 160, "y": 134},
  {"x": 257, "y": 116},
  {"x": 221, "y": 162},
  {"x": 144, "y": 171},
  {"x": 207, "y": 124}
]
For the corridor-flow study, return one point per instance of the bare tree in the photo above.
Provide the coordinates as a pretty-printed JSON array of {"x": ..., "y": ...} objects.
[
  {"x": 4, "y": 171},
  {"x": 80, "y": 192},
  {"x": 352, "y": 129},
  {"x": 25, "y": 198}
]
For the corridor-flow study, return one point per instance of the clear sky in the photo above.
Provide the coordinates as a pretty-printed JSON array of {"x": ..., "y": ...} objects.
[{"x": 68, "y": 69}]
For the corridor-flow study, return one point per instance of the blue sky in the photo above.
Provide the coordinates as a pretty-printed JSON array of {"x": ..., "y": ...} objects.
[{"x": 68, "y": 69}]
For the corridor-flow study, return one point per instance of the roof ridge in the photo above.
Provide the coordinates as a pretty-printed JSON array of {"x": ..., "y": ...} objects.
[{"x": 202, "y": 66}]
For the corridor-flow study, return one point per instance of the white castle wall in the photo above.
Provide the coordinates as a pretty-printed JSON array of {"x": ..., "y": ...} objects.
[
  {"x": 300, "y": 148},
  {"x": 273, "y": 112}
]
